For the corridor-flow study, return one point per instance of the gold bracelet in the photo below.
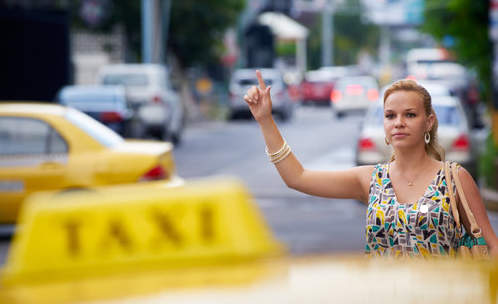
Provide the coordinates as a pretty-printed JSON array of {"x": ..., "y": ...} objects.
[
  {"x": 278, "y": 152},
  {"x": 281, "y": 154}
]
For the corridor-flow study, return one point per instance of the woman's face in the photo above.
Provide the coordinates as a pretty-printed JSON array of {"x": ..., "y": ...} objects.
[{"x": 405, "y": 121}]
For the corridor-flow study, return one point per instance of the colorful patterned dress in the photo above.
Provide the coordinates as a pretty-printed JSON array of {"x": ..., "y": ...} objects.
[{"x": 422, "y": 229}]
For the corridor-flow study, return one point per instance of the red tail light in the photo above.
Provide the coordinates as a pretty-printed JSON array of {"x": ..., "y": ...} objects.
[
  {"x": 157, "y": 99},
  {"x": 109, "y": 117},
  {"x": 372, "y": 95},
  {"x": 461, "y": 143},
  {"x": 155, "y": 173},
  {"x": 366, "y": 144},
  {"x": 336, "y": 96}
]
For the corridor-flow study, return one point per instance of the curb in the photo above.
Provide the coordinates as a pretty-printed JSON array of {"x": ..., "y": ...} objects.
[{"x": 490, "y": 198}]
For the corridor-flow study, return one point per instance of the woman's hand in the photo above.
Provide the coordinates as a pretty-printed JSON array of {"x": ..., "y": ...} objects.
[{"x": 259, "y": 100}]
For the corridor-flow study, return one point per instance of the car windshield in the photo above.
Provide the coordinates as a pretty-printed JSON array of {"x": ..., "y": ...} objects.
[
  {"x": 446, "y": 115},
  {"x": 128, "y": 80},
  {"x": 95, "y": 129}
]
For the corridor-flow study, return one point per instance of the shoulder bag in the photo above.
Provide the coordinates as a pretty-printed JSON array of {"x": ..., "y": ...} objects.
[{"x": 472, "y": 245}]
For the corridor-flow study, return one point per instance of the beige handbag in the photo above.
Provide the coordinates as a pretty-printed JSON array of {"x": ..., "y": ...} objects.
[{"x": 472, "y": 245}]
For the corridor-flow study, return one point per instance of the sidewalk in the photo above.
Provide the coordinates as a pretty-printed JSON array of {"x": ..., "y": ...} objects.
[{"x": 490, "y": 197}]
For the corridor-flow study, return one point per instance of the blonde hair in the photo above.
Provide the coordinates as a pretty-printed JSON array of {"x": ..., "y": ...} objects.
[{"x": 433, "y": 148}]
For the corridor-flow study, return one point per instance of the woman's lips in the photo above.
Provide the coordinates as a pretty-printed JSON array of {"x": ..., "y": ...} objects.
[{"x": 399, "y": 135}]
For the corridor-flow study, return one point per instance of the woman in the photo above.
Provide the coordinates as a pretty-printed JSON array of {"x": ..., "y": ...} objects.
[{"x": 408, "y": 206}]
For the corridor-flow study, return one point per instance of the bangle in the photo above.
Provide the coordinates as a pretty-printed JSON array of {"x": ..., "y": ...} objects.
[
  {"x": 281, "y": 154},
  {"x": 278, "y": 152}
]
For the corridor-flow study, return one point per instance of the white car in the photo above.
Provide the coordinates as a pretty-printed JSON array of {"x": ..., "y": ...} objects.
[
  {"x": 244, "y": 79},
  {"x": 453, "y": 134},
  {"x": 150, "y": 92},
  {"x": 354, "y": 94}
]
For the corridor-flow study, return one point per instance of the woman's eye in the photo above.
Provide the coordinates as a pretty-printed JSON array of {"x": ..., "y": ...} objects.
[
  {"x": 389, "y": 116},
  {"x": 410, "y": 114}
]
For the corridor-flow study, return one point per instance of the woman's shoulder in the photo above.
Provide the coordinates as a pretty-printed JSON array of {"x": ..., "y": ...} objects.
[{"x": 367, "y": 171}]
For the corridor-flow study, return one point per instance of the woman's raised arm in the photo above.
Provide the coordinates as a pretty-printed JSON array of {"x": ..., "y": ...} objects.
[{"x": 348, "y": 184}]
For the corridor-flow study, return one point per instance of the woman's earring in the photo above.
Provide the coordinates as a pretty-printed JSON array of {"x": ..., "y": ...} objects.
[
  {"x": 427, "y": 138},
  {"x": 385, "y": 139}
]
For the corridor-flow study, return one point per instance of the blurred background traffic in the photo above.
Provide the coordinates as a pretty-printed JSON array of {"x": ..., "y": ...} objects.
[{"x": 151, "y": 90}]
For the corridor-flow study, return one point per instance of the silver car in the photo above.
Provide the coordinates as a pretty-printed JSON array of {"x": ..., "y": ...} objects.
[
  {"x": 454, "y": 134},
  {"x": 244, "y": 79}
]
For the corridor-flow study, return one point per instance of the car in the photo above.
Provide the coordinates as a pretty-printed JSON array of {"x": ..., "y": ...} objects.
[
  {"x": 418, "y": 59},
  {"x": 435, "y": 89},
  {"x": 107, "y": 104},
  {"x": 149, "y": 90},
  {"x": 243, "y": 79},
  {"x": 50, "y": 146},
  {"x": 454, "y": 134},
  {"x": 317, "y": 86},
  {"x": 354, "y": 94}
]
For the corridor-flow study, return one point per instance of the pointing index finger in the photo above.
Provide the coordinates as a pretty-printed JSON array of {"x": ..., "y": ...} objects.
[{"x": 261, "y": 82}]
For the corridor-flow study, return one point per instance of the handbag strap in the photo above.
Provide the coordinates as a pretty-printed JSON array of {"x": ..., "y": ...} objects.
[
  {"x": 449, "y": 184},
  {"x": 474, "y": 227}
]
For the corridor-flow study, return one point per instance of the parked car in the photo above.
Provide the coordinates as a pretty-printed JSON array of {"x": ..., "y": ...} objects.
[
  {"x": 50, "y": 147},
  {"x": 244, "y": 79},
  {"x": 150, "y": 91},
  {"x": 354, "y": 94},
  {"x": 107, "y": 104},
  {"x": 454, "y": 134}
]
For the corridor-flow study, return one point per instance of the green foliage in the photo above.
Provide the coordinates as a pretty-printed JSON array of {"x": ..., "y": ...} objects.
[
  {"x": 197, "y": 28},
  {"x": 286, "y": 49},
  {"x": 352, "y": 34},
  {"x": 467, "y": 22}
]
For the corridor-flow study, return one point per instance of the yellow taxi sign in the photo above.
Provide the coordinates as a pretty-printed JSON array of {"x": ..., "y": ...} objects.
[{"x": 102, "y": 230}]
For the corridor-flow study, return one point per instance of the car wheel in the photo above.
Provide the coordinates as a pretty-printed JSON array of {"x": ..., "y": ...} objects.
[
  {"x": 137, "y": 129},
  {"x": 176, "y": 138},
  {"x": 234, "y": 115}
]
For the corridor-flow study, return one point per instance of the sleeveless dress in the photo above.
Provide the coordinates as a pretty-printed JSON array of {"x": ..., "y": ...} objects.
[{"x": 425, "y": 228}]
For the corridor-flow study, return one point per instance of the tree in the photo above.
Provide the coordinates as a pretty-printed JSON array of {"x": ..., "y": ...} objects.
[
  {"x": 465, "y": 22},
  {"x": 197, "y": 28}
]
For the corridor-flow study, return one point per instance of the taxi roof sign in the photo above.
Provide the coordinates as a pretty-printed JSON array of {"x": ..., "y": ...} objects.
[{"x": 103, "y": 230}]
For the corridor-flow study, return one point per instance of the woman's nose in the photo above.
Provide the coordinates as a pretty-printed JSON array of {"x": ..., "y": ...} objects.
[{"x": 399, "y": 121}]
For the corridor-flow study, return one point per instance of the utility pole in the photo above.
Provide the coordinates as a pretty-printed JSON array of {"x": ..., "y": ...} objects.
[
  {"x": 147, "y": 30},
  {"x": 328, "y": 34},
  {"x": 155, "y": 26}
]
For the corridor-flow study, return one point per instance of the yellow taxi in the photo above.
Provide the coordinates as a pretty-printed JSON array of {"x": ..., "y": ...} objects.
[{"x": 48, "y": 147}]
